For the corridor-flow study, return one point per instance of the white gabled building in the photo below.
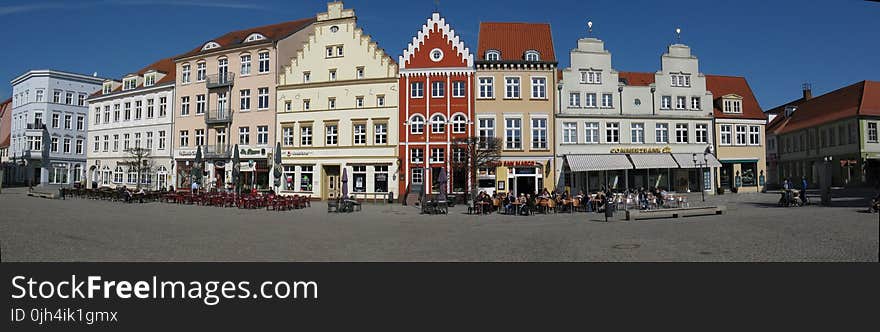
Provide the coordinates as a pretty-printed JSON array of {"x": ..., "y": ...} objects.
[{"x": 133, "y": 114}]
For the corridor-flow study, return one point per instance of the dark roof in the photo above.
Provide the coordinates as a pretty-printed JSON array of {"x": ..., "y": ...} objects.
[
  {"x": 164, "y": 66},
  {"x": 862, "y": 98},
  {"x": 514, "y": 39},
  {"x": 272, "y": 33},
  {"x": 725, "y": 85}
]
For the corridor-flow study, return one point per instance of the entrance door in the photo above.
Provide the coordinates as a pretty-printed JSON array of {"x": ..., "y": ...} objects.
[
  {"x": 526, "y": 184},
  {"x": 220, "y": 177},
  {"x": 727, "y": 176},
  {"x": 332, "y": 186}
]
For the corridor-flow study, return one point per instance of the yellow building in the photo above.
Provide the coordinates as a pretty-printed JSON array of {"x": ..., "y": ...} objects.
[
  {"x": 337, "y": 112},
  {"x": 515, "y": 97}
]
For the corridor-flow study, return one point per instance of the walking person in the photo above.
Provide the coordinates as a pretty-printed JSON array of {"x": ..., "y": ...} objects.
[{"x": 804, "y": 190}]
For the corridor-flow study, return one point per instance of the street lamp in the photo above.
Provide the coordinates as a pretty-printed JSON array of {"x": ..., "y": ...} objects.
[{"x": 700, "y": 181}]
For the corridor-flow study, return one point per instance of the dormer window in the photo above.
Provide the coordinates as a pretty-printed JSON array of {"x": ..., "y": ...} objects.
[
  {"x": 210, "y": 45},
  {"x": 254, "y": 37},
  {"x": 108, "y": 87},
  {"x": 591, "y": 76},
  {"x": 732, "y": 103},
  {"x": 130, "y": 83},
  {"x": 493, "y": 55},
  {"x": 680, "y": 80},
  {"x": 532, "y": 55},
  {"x": 150, "y": 79}
]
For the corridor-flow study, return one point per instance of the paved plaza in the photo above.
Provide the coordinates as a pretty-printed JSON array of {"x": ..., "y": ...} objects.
[{"x": 753, "y": 229}]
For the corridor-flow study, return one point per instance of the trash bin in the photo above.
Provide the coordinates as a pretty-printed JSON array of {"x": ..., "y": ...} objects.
[{"x": 609, "y": 211}]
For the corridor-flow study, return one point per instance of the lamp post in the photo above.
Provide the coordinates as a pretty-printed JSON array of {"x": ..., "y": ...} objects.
[{"x": 700, "y": 181}]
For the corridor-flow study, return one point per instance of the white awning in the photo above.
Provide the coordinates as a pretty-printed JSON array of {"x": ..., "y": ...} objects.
[
  {"x": 653, "y": 160},
  {"x": 686, "y": 160},
  {"x": 597, "y": 162}
]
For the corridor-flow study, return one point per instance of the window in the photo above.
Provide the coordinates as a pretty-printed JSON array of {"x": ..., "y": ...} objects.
[
  {"x": 163, "y": 106},
  {"x": 438, "y": 124},
  {"x": 79, "y": 146},
  {"x": 438, "y": 155},
  {"x": 201, "y": 72},
  {"x": 200, "y": 137},
  {"x": 307, "y": 104},
  {"x": 128, "y": 84},
  {"x": 340, "y": 50},
  {"x": 118, "y": 174},
  {"x": 329, "y": 51},
  {"x": 66, "y": 145},
  {"x": 200, "y": 104},
  {"x": 493, "y": 55},
  {"x": 380, "y": 179},
  {"x": 486, "y": 129},
  {"x": 612, "y": 132},
  {"x": 872, "y": 132},
  {"x": 417, "y": 124},
  {"x": 702, "y": 131},
  {"x": 359, "y": 101},
  {"x": 511, "y": 87},
  {"x": 741, "y": 133},
  {"x": 666, "y": 102},
  {"x": 418, "y": 176},
  {"x": 185, "y": 73},
  {"x": 126, "y": 142},
  {"x": 97, "y": 143},
  {"x": 487, "y": 87},
  {"x": 331, "y": 103},
  {"x": 56, "y": 120},
  {"x": 680, "y": 102},
  {"x": 245, "y": 99},
  {"x": 54, "y": 146},
  {"x": 459, "y": 124},
  {"x": 732, "y": 106},
  {"x": 569, "y": 133},
  {"x": 81, "y": 100},
  {"x": 680, "y": 80},
  {"x": 245, "y": 64},
  {"x": 287, "y": 136},
  {"x": 150, "y": 79},
  {"x": 725, "y": 134},
  {"x": 40, "y": 93},
  {"x": 149, "y": 140},
  {"x": 106, "y": 143},
  {"x": 56, "y": 96},
  {"x": 591, "y": 130},
  {"x": 381, "y": 133},
  {"x": 263, "y": 98},
  {"x": 307, "y": 76},
  {"x": 695, "y": 103},
  {"x": 539, "y": 88},
  {"x": 380, "y": 101},
  {"x": 359, "y": 72},
  {"x": 161, "y": 140},
  {"x": 437, "y": 89},
  {"x": 332, "y": 134},
  {"x": 332, "y": 75},
  {"x": 81, "y": 122},
  {"x": 68, "y": 121},
  {"x": 262, "y": 135},
  {"x": 539, "y": 134},
  {"x": 637, "y": 131},
  {"x": 416, "y": 156},
  {"x": 132, "y": 175},
  {"x": 532, "y": 56},
  {"x": 264, "y": 62},
  {"x": 681, "y": 133},
  {"x": 359, "y": 177},
  {"x": 184, "y": 106},
  {"x": 661, "y": 131},
  {"x": 574, "y": 99},
  {"x": 417, "y": 90},
  {"x": 458, "y": 89},
  {"x": 755, "y": 135},
  {"x": 107, "y": 113},
  {"x": 305, "y": 135},
  {"x": 591, "y": 77},
  {"x": 138, "y": 109},
  {"x": 607, "y": 100},
  {"x": 513, "y": 133},
  {"x": 591, "y": 100},
  {"x": 244, "y": 135},
  {"x": 360, "y": 133}
]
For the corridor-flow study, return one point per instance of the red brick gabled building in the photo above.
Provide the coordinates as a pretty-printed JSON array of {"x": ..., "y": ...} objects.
[{"x": 436, "y": 106}]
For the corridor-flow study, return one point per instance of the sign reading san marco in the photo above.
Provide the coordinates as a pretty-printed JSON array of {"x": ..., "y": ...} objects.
[{"x": 664, "y": 149}]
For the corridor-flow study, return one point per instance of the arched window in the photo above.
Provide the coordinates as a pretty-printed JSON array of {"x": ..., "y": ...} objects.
[
  {"x": 459, "y": 123},
  {"x": 210, "y": 45},
  {"x": 533, "y": 56},
  {"x": 438, "y": 124},
  {"x": 417, "y": 124},
  {"x": 493, "y": 55},
  {"x": 254, "y": 37}
]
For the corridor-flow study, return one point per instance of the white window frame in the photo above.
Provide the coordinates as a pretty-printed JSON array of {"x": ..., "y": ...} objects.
[
  {"x": 539, "y": 87},
  {"x": 512, "y": 87},
  {"x": 701, "y": 131},
  {"x": 726, "y": 136},
  {"x": 486, "y": 87},
  {"x": 679, "y": 129},
  {"x": 569, "y": 133},
  {"x": 612, "y": 132},
  {"x": 661, "y": 133},
  {"x": 417, "y": 124},
  {"x": 513, "y": 127},
  {"x": 637, "y": 132}
]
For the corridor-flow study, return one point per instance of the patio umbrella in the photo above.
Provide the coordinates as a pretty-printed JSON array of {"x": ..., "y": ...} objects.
[
  {"x": 441, "y": 181},
  {"x": 344, "y": 183},
  {"x": 236, "y": 170},
  {"x": 196, "y": 171},
  {"x": 278, "y": 172},
  {"x": 45, "y": 160}
]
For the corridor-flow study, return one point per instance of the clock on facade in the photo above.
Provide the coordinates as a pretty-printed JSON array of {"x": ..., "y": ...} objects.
[
  {"x": 436, "y": 55},
  {"x": 334, "y": 28}
]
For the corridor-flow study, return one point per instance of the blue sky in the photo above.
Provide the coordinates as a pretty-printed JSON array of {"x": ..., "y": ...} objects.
[{"x": 777, "y": 45}]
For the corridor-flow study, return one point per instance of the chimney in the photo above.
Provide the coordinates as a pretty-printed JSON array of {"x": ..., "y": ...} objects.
[{"x": 808, "y": 91}]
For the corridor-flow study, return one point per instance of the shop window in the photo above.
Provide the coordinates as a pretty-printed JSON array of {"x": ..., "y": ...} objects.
[{"x": 359, "y": 176}]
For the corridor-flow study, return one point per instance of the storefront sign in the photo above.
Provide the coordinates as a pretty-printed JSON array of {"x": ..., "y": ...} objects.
[
  {"x": 252, "y": 152},
  {"x": 187, "y": 152},
  {"x": 516, "y": 163},
  {"x": 845, "y": 163},
  {"x": 664, "y": 149},
  {"x": 298, "y": 153}
]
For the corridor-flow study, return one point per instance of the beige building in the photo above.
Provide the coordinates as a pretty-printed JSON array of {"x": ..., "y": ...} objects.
[
  {"x": 225, "y": 95},
  {"x": 515, "y": 97},
  {"x": 337, "y": 112}
]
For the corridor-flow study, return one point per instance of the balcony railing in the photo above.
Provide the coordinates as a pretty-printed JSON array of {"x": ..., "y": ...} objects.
[
  {"x": 219, "y": 151},
  {"x": 218, "y": 116},
  {"x": 219, "y": 80}
]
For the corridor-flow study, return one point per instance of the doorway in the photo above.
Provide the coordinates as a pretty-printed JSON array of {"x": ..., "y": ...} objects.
[
  {"x": 332, "y": 183},
  {"x": 526, "y": 185}
]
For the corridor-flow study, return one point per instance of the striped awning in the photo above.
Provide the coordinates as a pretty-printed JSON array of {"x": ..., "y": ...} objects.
[
  {"x": 686, "y": 160},
  {"x": 653, "y": 160},
  {"x": 597, "y": 162}
]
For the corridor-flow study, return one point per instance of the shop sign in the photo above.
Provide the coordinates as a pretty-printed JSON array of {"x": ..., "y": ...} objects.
[
  {"x": 515, "y": 163},
  {"x": 187, "y": 152},
  {"x": 298, "y": 153},
  {"x": 252, "y": 152},
  {"x": 664, "y": 149},
  {"x": 845, "y": 163}
]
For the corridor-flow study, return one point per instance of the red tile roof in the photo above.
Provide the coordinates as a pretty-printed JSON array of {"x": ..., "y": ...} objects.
[
  {"x": 862, "y": 98},
  {"x": 636, "y": 79},
  {"x": 514, "y": 39},
  {"x": 272, "y": 32},
  {"x": 164, "y": 66},
  {"x": 725, "y": 85}
]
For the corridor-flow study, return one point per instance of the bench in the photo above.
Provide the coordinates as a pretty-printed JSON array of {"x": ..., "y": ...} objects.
[{"x": 674, "y": 213}]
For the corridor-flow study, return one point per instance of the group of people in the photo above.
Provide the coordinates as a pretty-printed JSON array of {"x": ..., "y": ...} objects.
[
  {"x": 791, "y": 196},
  {"x": 529, "y": 203}
]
